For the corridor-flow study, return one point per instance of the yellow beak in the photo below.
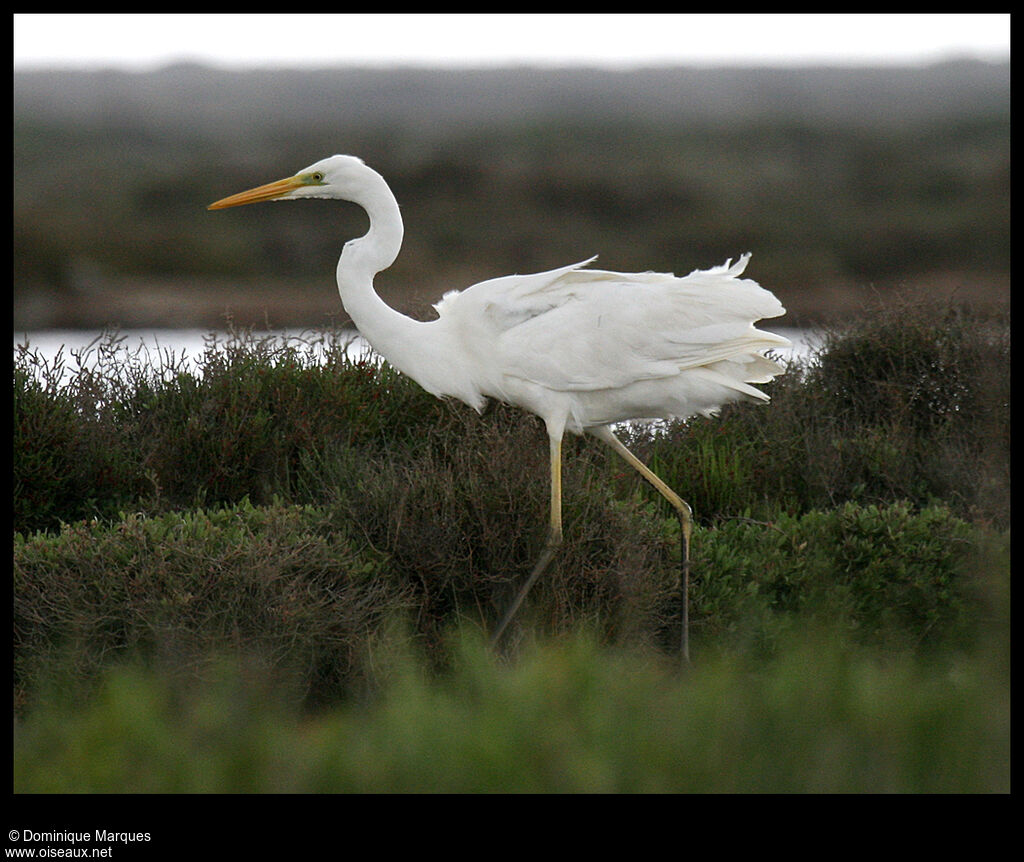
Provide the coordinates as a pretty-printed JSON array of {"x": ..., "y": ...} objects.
[{"x": 260, "y": 193}]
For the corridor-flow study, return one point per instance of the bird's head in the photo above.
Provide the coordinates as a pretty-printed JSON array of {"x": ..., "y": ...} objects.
[{"x": 338, "y": 177}]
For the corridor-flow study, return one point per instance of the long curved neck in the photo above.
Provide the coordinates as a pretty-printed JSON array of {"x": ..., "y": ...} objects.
[
  {"x": 363, "y": 258},
  {"x": 413, "y": 347}
]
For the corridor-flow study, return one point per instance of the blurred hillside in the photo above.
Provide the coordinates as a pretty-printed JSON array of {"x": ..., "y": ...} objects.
[{"x": 840, "y": 181}]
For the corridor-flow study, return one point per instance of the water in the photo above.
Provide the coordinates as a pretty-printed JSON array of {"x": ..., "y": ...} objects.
[
  {"x": 188, "y": 345},
  {"x": 184, "y": 348}
]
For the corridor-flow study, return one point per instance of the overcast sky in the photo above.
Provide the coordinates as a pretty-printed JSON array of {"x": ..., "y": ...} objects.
[{"x": 142, "y": 42}]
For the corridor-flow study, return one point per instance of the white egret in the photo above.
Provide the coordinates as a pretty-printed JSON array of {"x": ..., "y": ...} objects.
[{"x": 581, "y": 348}]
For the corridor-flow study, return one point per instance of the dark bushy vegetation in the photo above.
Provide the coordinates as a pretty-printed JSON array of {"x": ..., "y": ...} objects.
[
  {"x": 325, "y": 523},
  {"x": 71, "y": 460},
  {"x": 905, "y": 405},
  {"x": 903, "y": 183},
  {"x": 302, "y": 590},
  {"x": 908, "y": 403}
]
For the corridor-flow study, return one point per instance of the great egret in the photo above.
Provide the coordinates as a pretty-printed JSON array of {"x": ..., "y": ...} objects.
[{"x": 580, "y": 348}]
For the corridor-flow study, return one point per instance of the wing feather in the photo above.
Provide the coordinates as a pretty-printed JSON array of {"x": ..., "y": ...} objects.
[{"x": 574, "y": 329}]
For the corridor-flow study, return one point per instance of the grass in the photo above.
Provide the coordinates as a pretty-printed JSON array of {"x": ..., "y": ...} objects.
[
  {"x": 276, "y": 574},
  {"x": 571, "y": 716}
]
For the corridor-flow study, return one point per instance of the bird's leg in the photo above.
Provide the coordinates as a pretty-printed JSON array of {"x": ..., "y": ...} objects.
[
  {"x": 685, "y": 524},
  {"x": 553, "y": 541}
]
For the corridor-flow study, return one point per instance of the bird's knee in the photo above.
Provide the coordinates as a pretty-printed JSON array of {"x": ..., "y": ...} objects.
[
  {"x": 685, "y": 518},
  {"x": 682, "y": 508}
]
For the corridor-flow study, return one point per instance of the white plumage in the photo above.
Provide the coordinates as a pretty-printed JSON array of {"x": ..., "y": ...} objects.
[
  {"x": 581, "y": 348},
  {"x": 604, "y": 347}
]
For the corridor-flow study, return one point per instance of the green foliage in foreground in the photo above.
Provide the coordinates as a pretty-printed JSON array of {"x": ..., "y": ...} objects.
[
  {"x": 254, "y": 649},
  {"x": 210, "y": 569},
  {"x": 297, "y": 588},
  {"x": 567, "y": 717}
]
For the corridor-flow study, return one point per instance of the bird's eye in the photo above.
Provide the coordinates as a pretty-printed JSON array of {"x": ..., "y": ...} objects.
[{"x": 316, "y": 177}]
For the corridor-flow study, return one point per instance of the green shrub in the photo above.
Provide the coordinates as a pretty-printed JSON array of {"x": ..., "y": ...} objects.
[
  {"x": 904, "y": 404},
  {"x": 69, "y": 461},
  {"x": 283, "y": 584},
  {"x": 128, "y": 430},
  {"x": 261, "y": 409},
  {"x": 915, "y": 404},
  {"x": 465, "y": 513},
  {"x": 449, "y": 509},
  {"x": 888, "y": 577},
  {"x": 314, "y": 588}
]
